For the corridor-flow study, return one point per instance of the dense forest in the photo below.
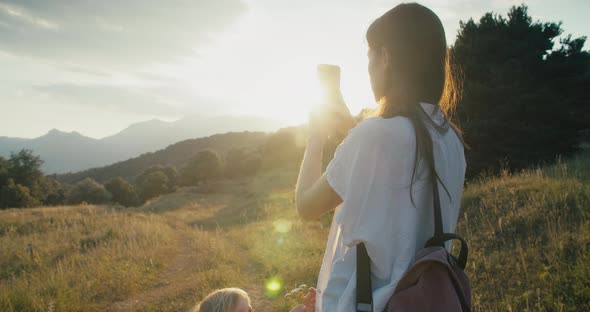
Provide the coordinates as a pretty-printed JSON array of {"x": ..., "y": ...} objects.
[{"x": 525, "y": 97}]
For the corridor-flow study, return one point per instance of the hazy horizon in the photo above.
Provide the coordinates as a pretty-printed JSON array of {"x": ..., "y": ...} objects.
[
  {"x": 98, "y": 67},
  {"x": 161, "y": 119}
]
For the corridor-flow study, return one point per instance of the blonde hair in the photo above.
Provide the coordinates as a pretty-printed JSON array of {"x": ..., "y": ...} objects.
[{"x": 222, "y": 300}]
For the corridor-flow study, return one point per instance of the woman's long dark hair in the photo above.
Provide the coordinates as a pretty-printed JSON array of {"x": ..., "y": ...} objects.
[{"x": 420, "y": 71}]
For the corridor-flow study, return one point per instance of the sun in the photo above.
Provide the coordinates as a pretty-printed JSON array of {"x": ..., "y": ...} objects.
[
  {"x": 271, "y": 72},
  {"x": 287, "y": 93}
]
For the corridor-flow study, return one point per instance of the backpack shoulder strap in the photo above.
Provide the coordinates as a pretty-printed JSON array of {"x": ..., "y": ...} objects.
[
  {"x": 438, "y": 238},
  {"x": 364, "y": 293}
]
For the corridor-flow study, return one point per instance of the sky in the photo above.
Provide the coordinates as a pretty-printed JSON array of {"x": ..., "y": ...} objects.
[{"x": 95, "y": 67}]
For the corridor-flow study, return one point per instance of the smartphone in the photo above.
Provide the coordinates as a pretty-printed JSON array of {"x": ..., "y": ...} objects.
[{"x": 329, "y": 76}]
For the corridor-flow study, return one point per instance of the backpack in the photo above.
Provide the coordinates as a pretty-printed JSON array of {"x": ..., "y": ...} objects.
[{"x": 435, "y": 281}]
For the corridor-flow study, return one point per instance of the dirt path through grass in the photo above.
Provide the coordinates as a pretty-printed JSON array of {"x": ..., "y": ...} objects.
[
  {"x": 174, "y": 284},
  {"x": 256, "y": 284},
  {"x": 176, "y": 289}
]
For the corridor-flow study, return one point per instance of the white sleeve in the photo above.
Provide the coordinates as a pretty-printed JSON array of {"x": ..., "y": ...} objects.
[
  {"x": 366, "y": 169},
  {"x": 337, "y": 172}
]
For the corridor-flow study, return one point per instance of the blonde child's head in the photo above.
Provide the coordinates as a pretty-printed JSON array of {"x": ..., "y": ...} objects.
[{"x": 225, "y": 300}]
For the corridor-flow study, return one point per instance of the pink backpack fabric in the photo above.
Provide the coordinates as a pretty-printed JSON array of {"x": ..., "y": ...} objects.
[{"x": 434, "y": 283}]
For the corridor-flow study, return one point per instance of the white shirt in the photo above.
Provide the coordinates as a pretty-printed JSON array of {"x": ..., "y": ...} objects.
[{"x": 371, "y": 171}]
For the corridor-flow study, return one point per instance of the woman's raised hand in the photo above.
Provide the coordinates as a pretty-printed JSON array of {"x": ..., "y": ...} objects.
[
  {"x": 309, "y": 300},
  {"x": 333, "y": 118},
  {"x": 308, "y": 304}
]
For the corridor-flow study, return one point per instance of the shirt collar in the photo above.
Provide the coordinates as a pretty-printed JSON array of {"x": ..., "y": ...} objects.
[{"x": 433, "y": 112}]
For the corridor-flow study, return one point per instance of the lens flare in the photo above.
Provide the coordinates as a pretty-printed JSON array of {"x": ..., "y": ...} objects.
[
  {"x": 282, "y": 226},
  {"x": 273, "y": 286}
]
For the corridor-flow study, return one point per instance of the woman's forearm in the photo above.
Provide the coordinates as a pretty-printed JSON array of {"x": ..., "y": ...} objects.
[{"x": 311, "y": 169}]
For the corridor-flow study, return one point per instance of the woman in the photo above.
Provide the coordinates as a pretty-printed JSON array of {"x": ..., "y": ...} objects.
[{"x": 379, "y": 176}]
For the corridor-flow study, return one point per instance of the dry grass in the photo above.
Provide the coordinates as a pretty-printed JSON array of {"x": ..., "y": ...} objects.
[
  {"x": 76, "y": 257},
  {"x": 89, "y": 257},
  {"x": 529, "y": 236}
]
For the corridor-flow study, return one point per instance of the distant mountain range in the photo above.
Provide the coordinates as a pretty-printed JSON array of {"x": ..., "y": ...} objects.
[
  {"x": 71, "y": 151},
  {"x": 177, "y": 155}
]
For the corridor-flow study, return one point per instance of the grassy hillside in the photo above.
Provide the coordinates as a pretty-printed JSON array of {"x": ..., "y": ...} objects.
[
  {"x": 529, "y": 236},
  {"x": 176, "y": 154}
]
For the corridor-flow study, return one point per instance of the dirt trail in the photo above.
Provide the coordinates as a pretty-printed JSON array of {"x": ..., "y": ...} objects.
[
  {"x": 256, "y": 285},
  {"x": 174, "y": 282},
  {"x": 176, "y": 286}
]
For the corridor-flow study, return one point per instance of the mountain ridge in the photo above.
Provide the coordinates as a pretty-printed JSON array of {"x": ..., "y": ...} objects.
[
  {"x": 176, "y": 155},
  {"x": 64, "y": 152}
]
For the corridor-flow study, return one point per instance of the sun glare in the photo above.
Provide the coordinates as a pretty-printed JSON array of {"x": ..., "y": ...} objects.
[
  {"x": 291, "y": 92},
  {"x": 287, "y": 93},
  {"x": 271, "y": 72}
]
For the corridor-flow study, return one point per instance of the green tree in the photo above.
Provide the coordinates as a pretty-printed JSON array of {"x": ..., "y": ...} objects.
[
  {"x": 514, "y": 108},
  {"x": 21, "y": 177},
  {"x": 123, "y": 192},
  {"x": 239, "y": 162},
  {"x": 170, "y": 172},
  {"x": 25, "y": 169},
  {"x": 201, "y": 168},
  {"x": 55, "y": 192},
  {"x": 14, "y": 195},
  {"x": 570, "y": 69},
  {"x": 152, "y": 184},
  {"x": 4, "y": 171},
  {"x": 281, "y": 149},
  {"x": 172, "y": 175},
  {"x": 89, "y": 191}
]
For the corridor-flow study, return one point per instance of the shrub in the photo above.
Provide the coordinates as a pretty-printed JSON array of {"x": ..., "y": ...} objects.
[
  {"x": 89, "y": 191},
  {"x": 152, "y": 184},
  {"x": 54, "y": 192},
  {"x": 123, "y": 192},
  {"x": 16, "y": 195},
  {"x": 203, "y": 167},
  {"x": 239, "y": 162},
  {"x": 281, "y": 149}
]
